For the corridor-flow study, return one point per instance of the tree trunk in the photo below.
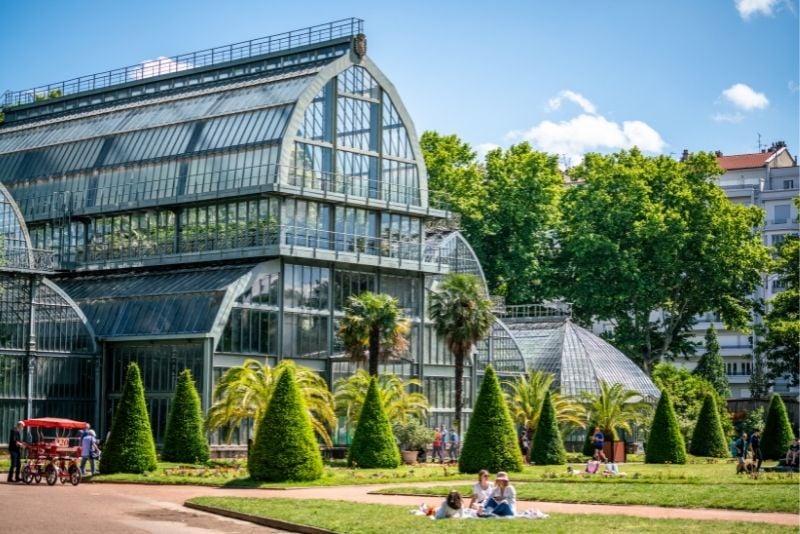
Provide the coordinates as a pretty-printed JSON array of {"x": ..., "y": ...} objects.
[
  {"x": 374, "y": 350},
  {"x": 459, "y": 361}
]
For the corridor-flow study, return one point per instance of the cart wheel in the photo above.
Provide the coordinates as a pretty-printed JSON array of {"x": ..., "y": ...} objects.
[
  {"x": 75, "y": 477},
  {"x": 51, "y": 473},
  {"x": 27, "y": 475},
  {"x": 38, "y": 477}
]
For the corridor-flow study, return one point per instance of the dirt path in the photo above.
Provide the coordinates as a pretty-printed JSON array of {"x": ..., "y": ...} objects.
[{"x": 363, "y": 494}]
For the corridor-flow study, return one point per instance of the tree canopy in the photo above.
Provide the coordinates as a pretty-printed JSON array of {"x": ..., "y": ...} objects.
[
  {"x": 781, "y": 343},
  {"x": 648, "y": 243},
  {"x": 711, "y": 367}
]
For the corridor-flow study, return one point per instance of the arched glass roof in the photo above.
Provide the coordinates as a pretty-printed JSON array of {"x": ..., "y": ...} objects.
[
  {"x": 15, "y": 245},
  {"x": 577, "y": 358}
]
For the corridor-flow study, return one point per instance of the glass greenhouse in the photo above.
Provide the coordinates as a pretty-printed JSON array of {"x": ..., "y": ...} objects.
[{"x": 221, "y": 205}]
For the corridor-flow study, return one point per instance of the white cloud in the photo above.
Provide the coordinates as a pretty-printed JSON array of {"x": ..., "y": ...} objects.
[
  {"x": 733, "y": 118},
  {"x": 555, "y": 102},
  {"x": 157, "y": 67},
  {"x": 484, "y": 148},
  {"x": 793, "y": 86},
  {"x": 587, "y": 132},
  {"x": 744, "y": 97},
  {"x": 748, "y": 8}
]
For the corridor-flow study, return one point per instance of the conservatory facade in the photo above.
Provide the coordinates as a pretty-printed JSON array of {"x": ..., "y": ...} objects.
[
  {"x": 223, "y": 206},
  {"x": 218, "y": 206}
]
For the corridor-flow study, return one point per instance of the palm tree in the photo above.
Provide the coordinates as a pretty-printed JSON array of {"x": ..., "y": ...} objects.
[
  {"x": 244, "y": 393},
  {"x": 399, "y": 403},
  {"x": 462, "y": 315},
  {"x": 614, "y": 408},
  {"x": 373, "y": 327},
  {"x": 525, "y": 396}
]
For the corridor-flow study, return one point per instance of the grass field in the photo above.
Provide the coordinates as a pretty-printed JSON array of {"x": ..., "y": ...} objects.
[{"x": 391, "y": 519}]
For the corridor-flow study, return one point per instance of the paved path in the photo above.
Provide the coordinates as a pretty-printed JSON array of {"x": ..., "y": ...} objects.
[{"x": 137, "y": 509}]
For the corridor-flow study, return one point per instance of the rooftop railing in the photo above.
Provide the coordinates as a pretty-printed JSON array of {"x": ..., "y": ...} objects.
[
  {"x": 526, "y": 311},
  {"x": 15, "y": 254},
  {"x": 213, "y": 56}
]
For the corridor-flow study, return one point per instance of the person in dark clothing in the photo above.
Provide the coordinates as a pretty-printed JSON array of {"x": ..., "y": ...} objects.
[
  {"x": 15, "y": 446},
  {"x": 598, "y": 439},
  {"x": 755, "y": 446}
]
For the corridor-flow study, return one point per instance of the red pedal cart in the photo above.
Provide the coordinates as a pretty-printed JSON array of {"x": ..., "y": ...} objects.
[{"x": 54, "y": 451}]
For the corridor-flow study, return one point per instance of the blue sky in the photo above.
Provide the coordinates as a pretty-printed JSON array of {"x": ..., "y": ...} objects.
[{"x": 568, "y": 76}]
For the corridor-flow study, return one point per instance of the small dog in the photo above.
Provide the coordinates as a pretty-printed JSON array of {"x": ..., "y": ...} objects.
[{"x": 747, "y": 466}]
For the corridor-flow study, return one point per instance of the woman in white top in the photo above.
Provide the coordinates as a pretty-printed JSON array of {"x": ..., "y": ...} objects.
[
  {"x": 481, "y": 491},
  {"x": 503, "y": 501}
]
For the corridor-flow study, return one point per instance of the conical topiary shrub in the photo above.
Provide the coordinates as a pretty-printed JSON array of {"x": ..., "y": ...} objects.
[
  {"x": 665, "y": 444},
  {"x": 708, "y": 438},
  {"x": 285, "y": 447},
  {"x": 588, "y": 443},
  {"x": 777, "y": 435},
  {"x": 130, "y": 447},
  {"x": 548, "y": 449},
  {"x": 373, "y": 442},
  {"x": 184, "y": 439},
  {"x": 491, "y": 441}
]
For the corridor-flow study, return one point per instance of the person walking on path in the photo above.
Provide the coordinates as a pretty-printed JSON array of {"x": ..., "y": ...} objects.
[
  {"x": 755, "y": 446},
  {"x": 437, "y": 446},
  {"x": 599, "y": 439},
  {"x": 89, "y": 451},
  {"x": 15, "y": 446},
  {"x": 455, "y": 444}
]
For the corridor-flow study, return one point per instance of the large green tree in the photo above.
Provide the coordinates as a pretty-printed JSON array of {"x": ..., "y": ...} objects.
[
  {"x": 711, "y": 367},
  {"x": 688, "y": 392},
  {"x": 285, "y": 447},
  {"x": 130, "y": 447},
  {"x": 462, "y": 314},
  {"x": 373, "y": 328},
  {"x": 614, "y": 408},
  {"x": 507, "y": 207},
  {"x": 647, "y": 243},
  {"x": 781, "y": 343},
  {"x": 491, "y": 440},
  {"x": 185, "y": 439},
  {"x": 243, "y": 393}
]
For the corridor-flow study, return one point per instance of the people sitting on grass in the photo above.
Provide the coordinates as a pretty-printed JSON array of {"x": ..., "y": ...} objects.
[
  {"x": 453, "y": 506},
  {"x": 612, "y": 470},
  {"x": 503, "y": 500},
  {"x": 591, "y": 468},
  {"x": 481, "y": 491}
]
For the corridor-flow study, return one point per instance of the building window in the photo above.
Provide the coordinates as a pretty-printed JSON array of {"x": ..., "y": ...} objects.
[
  {"x": 781, "y": 214},
  {"x": 788, "y": 184}
]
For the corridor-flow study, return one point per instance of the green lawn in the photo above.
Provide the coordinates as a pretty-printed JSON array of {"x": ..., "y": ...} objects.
[{"x": 392, "y": 519}]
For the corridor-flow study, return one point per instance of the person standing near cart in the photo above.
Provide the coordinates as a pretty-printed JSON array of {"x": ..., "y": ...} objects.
[
  {"x": 89, "y": 451},
  {"x": 15, "y": 446}
]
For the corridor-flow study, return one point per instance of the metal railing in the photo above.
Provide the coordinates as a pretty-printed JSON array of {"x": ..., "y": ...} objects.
[
  {"x": 128, "y": 247},
  {"x": 15, "y": 254},
  {"x": 525, "y": 311},
  {"x": 203, "y": 58},
  {"x": 231, "y": 181}
]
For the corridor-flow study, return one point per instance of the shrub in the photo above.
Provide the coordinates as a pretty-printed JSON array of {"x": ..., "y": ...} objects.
[
  {"x": 413, "y": 435},
  {"x": 130, "y": 447},
  {"x": 708, "y": 439},
  {"x": 665, "y": 444},
  {"x": 373, "y": 442},
  {"x": 285, "y": 447},
  {"x": 588, "y": 443},
  {"x": 184, "y": 439},
  {"x": 491, "y": 441},
  {"x": 777, "y": 436},
  {"x": 548, "y": 449}
]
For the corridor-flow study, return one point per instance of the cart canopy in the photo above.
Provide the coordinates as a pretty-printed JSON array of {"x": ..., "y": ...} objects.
[{"x": 53, "y": 422}]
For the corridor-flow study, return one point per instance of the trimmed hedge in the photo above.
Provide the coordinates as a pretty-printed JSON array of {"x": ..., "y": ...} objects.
[
  {"x": 548, "y": 449},
  {"x": 285, "y": 447},
  {"x": 708, "y": 438},
  {"x": 665, "y": 445},
  {"x": 185, "y": 440},
  {"x": 130, "y": 447},
  {"x": 373, "y": 442},
  {"x": 491, "y": 440},
  {"x": 778, "y": 435}
]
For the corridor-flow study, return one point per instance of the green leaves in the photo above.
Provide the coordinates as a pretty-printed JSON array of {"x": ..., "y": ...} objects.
[
  {"x": 548, "y": 449},
  {"x": 665, "y": 444},
  {"x": 711, "y": 367},
  {"x": 285, "y": 448},
  {"x": 778, "y": 433},
  {"x": 130, "y": 447},
  {"x": 708, "y": 438},
  {"x": 373, "y": 443},
  {"x": 184, "y": 440}
]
